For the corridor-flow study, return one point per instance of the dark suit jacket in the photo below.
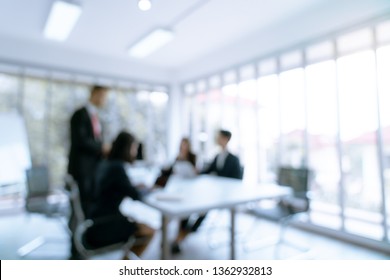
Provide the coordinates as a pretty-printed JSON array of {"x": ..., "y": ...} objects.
[
  {"x": 85, "y": 152},
  {"x": 111, "y": 186},
  {"x": 230, "y": 169}
]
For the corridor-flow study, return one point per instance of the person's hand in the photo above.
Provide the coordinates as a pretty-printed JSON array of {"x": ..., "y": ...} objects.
[
  {"x": 143, "y": 189},
  {"x": 106, "y": 148},
  {"x": 141, "y": 186},
  {"x": 181, "y": 157}
]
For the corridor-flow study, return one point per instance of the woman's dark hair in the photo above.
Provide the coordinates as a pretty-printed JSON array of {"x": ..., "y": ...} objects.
[
  {"x": 121, "y": 147},
  {"x": 191, "y": 157}
]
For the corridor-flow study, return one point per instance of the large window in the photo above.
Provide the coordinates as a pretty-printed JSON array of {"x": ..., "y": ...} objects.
[
  {"x": 323, "y": 106},
  {"x": 322, "y": 137},
  {"x": 269, "y": 126},
  {"x": 9, "y": 89},
  {"x": 230, "y": 115},
  {"x": 358, "y": 126},
  {"x": 248, "y": 129},
  {"x": 47, "y": 105},
  {"x": 293, "y": 117},
  {"x": 383, "y": 60},
  {"x": 60, "y": 110},
  {"x": 34, "y": 112},
  {"x": 142, "y": 113},
  {"x": 159, "y": 123},
  {"x": 199, "y": 135},
  {"x": 213, "y": 109}
]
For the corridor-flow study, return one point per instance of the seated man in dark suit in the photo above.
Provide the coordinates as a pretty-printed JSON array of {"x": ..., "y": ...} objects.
[{"x": 224, "y": 164}]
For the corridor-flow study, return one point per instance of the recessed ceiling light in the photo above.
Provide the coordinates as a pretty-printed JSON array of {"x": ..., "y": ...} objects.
[
  {"x": 144, "y": 5},
  {"x": 61, "y": 21},
  {"x": 152, "y": 42}
]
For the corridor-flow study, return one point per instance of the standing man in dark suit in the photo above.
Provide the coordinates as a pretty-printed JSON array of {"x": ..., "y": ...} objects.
[
  {"x": 225, "y": 164},
  {"x": 86, "y": 149}
]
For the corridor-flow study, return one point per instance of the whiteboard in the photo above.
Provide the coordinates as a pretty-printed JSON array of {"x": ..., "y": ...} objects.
[{"x": 14, "y": 150}]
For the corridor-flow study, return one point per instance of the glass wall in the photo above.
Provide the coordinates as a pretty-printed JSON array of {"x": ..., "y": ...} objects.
[
  {"x": 269, "y": 126},
  {"x": 199, "y": 137},
  {"x": 362, "y": 189},
  {"x": 59, "y": 112},
  {"x": 292, "y": 108},
  {"x": 323, "y": 106},
  {"x": 9, "y": 92},
  {"x": 230, "y": 115},
  {"x": 248, "y": 131},
  {"x": 322, "y": 140},
  {"x": 158, "y": 103},
  {"x": 47, "y": 105},
  {"x": 383, "y": 63},
  {"x": 35, "y": 113}
]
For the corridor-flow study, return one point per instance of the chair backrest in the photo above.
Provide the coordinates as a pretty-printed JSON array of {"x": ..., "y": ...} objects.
[
  {"x": 140, "y": 152},
  {"x": 83, "y": 225},
  {"x": 37, "y": 181},
  {"x": 242, "y": 172},
  {"x": 75, "y": 198},
  {"x": 298, "y": 179}
]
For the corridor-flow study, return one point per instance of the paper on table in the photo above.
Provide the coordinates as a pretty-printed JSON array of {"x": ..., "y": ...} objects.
[{"x": 168, "y": 197}]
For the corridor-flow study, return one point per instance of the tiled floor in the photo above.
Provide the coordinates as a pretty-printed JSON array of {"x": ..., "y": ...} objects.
[{"x": 16, "y": 229}]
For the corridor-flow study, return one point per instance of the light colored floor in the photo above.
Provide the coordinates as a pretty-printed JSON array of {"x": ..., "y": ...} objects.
[{"x": 18, "y": 228}]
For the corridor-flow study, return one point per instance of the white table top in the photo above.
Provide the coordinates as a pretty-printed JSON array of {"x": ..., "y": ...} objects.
[{"x": 184, "y": 196}]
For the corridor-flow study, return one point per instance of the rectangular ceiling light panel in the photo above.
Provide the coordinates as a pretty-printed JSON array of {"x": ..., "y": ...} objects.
[
  {"x": 152, "y": 42},
  {"x": 61, "y": 21}
]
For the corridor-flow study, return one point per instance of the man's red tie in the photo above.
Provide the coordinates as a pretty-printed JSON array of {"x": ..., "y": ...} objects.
[{"x": 95, "y": 126}]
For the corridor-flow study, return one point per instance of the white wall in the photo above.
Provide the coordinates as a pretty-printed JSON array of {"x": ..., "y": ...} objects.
[{"x": 299, "y": 29}]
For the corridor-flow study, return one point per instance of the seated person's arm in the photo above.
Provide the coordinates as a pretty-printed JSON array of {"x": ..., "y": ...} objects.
[
  {"x": 194, "y": 164},
  {"x": 237, "y": 170},
  {"x": 211, "y": 168},
  {"x": 125, "y": 185}
]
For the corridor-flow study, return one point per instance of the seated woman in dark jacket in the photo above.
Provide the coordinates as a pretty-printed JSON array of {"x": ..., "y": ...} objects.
[{"x": 112, "y": 186}]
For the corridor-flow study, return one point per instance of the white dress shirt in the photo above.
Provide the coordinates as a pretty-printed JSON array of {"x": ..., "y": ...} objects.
[
  {"x": 93, "y": 111},
  {"x": 221, "y": 158}
]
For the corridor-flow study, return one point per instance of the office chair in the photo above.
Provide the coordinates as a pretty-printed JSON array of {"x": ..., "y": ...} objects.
[
  {"x": 83, "y": 224},
  {"x": 287, "y": 208},
  {"x": 39, "y": 200}
]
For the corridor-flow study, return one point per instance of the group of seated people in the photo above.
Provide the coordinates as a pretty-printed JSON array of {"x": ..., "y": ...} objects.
[{"x": 112, "y": 184}]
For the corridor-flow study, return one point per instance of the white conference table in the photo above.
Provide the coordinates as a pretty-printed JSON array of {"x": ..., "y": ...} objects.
[{"x": 184, "y": 196}]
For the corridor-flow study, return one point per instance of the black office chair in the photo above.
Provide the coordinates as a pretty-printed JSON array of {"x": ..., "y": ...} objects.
[
  {"x": 40, "y": 199},
  {"x": 288, "y": 208},
  {"x": 83, "y": 225}
]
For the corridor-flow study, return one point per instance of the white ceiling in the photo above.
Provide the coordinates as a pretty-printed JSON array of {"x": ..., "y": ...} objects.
[
  {"x": 108, "y": 27},
  {"x": 212, "y": 34}
]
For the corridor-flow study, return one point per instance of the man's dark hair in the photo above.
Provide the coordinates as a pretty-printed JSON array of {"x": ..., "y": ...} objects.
[
  {"x": 121, "y": 147},
  {"x": 225, "y": 133},
  {"x": 97, "y": 88}
]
